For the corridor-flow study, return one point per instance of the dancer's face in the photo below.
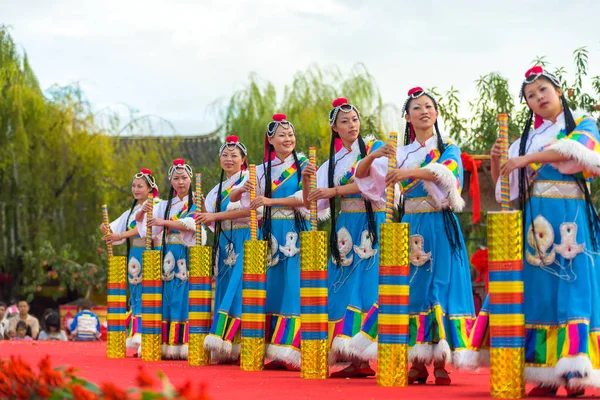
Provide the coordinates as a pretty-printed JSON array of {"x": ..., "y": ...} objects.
[
  {"x": 231, "y": 160},
  {"x": 140, "y": 189},
  {"x": 421, "y": 113},
  {"x": 181, "y": 182},
  {"x": 283, "y": 140},
  {"x": 347, "y": 125},
  {"x": 543, "y": 98}
]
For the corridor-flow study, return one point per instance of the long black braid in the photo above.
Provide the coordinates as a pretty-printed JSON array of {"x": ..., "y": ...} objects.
[
  {"x": 333, "y": 237},
  {"x": 299, "y": 221},
  {"x": 127, "y": 225}
]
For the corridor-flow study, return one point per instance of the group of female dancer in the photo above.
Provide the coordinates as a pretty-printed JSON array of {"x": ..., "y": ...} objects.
[{"x": 549, "y": 168}]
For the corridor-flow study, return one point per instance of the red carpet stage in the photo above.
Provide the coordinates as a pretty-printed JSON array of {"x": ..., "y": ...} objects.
[{"x": 229, "y": 382}]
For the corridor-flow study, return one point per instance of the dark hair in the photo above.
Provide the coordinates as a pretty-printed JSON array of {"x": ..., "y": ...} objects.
[
  {"x": 21, "y": 325},
  {"x": 22, "y": 301},
  {"x": 166, "y": 215},
  {"x": 218, "y": 227},
  {"x": 333, "y": 237},
  {"x": 450, "y": 225},
  {"x": 52, "y": 321},
  {"x": 299, "y": 222},
  {"x": 135, "y": 201},
  {"x": 524, "y": 185},
  {"x": 85, "y": 304},
  {"x": 3, "y": 304}
]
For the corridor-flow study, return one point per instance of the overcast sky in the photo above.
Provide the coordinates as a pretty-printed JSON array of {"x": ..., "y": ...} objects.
[{"x": 174, "y": 58}]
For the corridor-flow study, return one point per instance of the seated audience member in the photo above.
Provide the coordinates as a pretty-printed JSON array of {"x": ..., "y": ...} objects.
[
  {"x": 23, "y": 315},
  {"x": 85, "y": 325},
  {"x": 3, "y": 321},
  {"x": 22, "y": 331},
  {"x": 52, "y": 329}
]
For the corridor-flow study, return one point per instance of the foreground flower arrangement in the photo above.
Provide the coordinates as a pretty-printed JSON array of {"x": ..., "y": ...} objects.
[{"x": 19, "y": 380}]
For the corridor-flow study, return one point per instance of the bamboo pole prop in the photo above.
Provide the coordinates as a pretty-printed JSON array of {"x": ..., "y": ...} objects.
[
  {"x": 116, "y": 300},
  {"x": 199, "y": 318},
  {"x": 151, "y": 297},
  {"x": 393, "y": 334},
  {"x": 313, "y": 295},
  {"x": 507, "y": 319},
  {"x": 504, "y": 184},
  {"x": 254, "y": 294}
]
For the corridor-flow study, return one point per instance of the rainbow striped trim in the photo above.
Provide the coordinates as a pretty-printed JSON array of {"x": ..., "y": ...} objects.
[
  {"x": 283, "y": 331},
  {"x": 174, "y": 333},
  {"x": 545, "y": 345},
  {"x": 134, "y": 324},
  {"x": 349, "y": 176},
  {"x": 349, "y": 325},
  {"x": 453, "y": 167},
  {"x": 285, "y": 175},
  {"x": 199, "y": 304},
  {"x": 225, "y": 193},
  {"x": 506, "y": 304},
  {"x": 480, "y": 334},
  {"x": 432, "y": 157},
  {"x": 434, "y": 325},
  {"x": 370, "y": 326},
  {"x": 151, "y": 307},
  {"x": 226, "y": 327},
  {"x": 393, "y": 304}
]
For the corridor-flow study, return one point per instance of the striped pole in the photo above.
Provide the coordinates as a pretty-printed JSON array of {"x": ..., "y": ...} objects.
[
  {"x": 199, "y": 317},
  {"x": 151, "y": 297},
  {"x": 389, "y": 191},
  {"x": 105, "y": 220},
  {"x": 116, "y": 300},
  {"x": 507, "y": 319},
  {"x": 254, "y": 295},
  {"x": 392, "y": 322},
  {"x": 504, "y": 185},
  {"x": 313, "y": 295}
]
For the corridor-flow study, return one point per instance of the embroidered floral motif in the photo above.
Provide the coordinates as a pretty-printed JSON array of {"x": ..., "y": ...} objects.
[
  {"x": 365, "y": 250},
  {"x": 345, "y": 247},
  {"x": 168, "y": 267},
  {"x": 568, "y": 247},
  {"x": 182, "y": 272},
  {"x": 417, "y": 255},
  {"x": 541, "y": 242},
  {"x": 232, "y": 256},
  {"x": 290, "y": 249},
  {"x": 135, "y": 271},
  {"x": 272, "y": 257}
]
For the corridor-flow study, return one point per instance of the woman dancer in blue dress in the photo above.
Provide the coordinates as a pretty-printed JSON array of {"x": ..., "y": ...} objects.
[
  {"x": 353, "y": 270},
  {"x": 230, "y": 223},
  {"x": 430, "y": 172},
  {"x": 124, "y": 229}
]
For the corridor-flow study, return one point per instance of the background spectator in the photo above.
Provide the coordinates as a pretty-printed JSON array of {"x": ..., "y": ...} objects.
[
  {"x": 85, "y": 325},
  {"x": 31, "y": 321},
  {"x": 3, "y": 321},
  {"x": 21, "y": 331},
  {"x": 52, "y": 329}
]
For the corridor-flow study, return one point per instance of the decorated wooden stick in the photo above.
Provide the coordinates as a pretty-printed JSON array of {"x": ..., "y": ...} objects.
[
  {"x": 389, "y": 191},
  {"x": 504, "y": 184},
  {"x": 151, "y": 297},
  {"x": 106, "y": 222},
  {"x": 199, "y": 318},
  {"x": 393, "y": 322},
  {"x": 313, "y": 295},
  {"x": 254, "y": 295},
  {"x": 312, "y": 156},
  {"x": 507, "y": 319}
]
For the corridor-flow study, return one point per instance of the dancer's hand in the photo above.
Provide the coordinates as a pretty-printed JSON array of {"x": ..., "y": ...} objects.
[
  {"x": 261, "y": 201},
  {"x": 205, "y": 218},
  {"x": 395, "y": 176},
  {"x": 309, "y": 170},
  {"x": 496, "y": 151},
  {"x": 147, "y": 207},
  {"x": 386, "y": 150},
  {"x": 104, "y": 228},
  {"x": 111, "y": 237},
  {"x": 319, "y": 194},
  {"x": 156, "y": 222},
  {"x": 512, "y": 164}
]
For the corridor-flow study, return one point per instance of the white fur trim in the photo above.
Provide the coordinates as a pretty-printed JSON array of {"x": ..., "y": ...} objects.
[
  {"x": 422, "y": 353},
  {"x": 593, "y": 379},
  {"x": 139, "y": 351},
  {"x": 359, "y": 343},
  {"x": 448, "y": 182},
  {"x": 226, "y": 347},
  {"x": 469, "y": 360},
  {"x": 234, "y": 205},
  {"x": 286, "y": 354},
  {"x": 134, "y": 342},
  {"x": 341, "y": 346},
  {"x": 188, "y": 223},
  {"x": 370, "y": 353},
  {"x": 236, "y": 349},
  {"x": 442, "y": 352},
  {"x": 590, "y": 160},
  {"x": 324, "y": 215},
  {"x": 164, "y": 350},
  {"x": 212, "y": 342},
  {"x": 302, "y": 210},
  {"x": 183, "y": 352},
  {"x": 172, "y": 352},
  {"x": 544, "y": 376}
]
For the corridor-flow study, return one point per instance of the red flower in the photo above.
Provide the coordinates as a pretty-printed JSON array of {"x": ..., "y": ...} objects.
[
  {"x": 80, "y": 393},
  {"x": 112, "y": 391},
  {"x": 144, "y": 380}
]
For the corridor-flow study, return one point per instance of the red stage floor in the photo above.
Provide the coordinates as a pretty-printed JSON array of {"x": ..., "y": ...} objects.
[{"x": 229, "y": 382}]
